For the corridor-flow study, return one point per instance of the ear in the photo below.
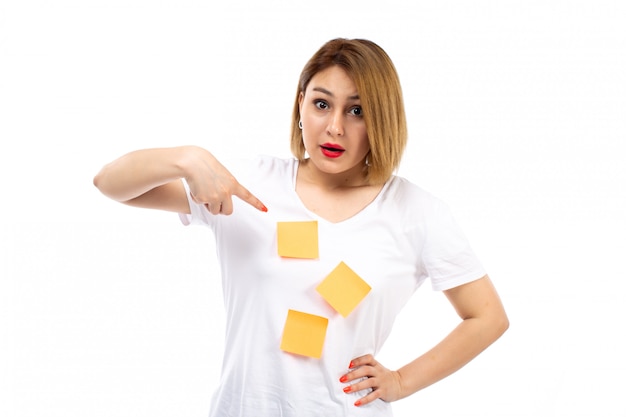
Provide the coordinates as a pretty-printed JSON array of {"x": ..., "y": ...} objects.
[{"x": 300, "y": 100}]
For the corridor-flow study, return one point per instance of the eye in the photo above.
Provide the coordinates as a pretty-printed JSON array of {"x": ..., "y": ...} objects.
[
  {"x": 320, "y": 104},
  {"x": 356, "y": 111}
]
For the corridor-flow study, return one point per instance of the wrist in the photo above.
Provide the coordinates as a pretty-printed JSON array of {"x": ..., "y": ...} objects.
[
  {"x": 187, "y": 158},
  {"x": 400, "y": 385}
]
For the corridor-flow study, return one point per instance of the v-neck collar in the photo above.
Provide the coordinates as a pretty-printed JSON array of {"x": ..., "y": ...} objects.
[{"x": 358, "y": 216}]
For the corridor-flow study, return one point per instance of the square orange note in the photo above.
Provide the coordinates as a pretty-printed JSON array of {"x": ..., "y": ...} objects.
[
  {"x": 298, "y": 239},
  {"x": 343, "y": 289},
  {"x": 304, "y": 334}
]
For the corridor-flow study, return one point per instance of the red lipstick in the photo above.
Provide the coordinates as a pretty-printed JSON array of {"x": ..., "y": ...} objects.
[{"x": 332, "y": 150}]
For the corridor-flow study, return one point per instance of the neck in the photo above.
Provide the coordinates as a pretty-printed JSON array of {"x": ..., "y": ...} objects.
[{"x": 355, "y": 177}]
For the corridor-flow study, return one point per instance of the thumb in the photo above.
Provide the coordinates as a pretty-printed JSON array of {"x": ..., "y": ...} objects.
[{"x": 245, "y": 195}]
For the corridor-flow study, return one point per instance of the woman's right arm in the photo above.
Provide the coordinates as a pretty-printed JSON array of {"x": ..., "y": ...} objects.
[{"x": 150, "y": 178}]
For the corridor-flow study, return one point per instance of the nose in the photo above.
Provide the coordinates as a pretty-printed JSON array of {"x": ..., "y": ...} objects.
[{"x": 335, "y": 124}]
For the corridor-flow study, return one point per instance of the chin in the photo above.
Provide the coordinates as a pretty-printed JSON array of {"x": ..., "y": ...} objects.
[{"x": 335, "y": 167}]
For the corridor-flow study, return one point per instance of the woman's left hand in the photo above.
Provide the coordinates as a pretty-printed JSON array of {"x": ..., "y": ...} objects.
[{"x": 385, "y": 384}]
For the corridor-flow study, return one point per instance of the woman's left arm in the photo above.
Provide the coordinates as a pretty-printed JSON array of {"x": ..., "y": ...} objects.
[{"x": 483, "y": 322}]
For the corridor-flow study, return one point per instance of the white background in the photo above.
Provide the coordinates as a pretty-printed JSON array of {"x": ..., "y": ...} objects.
[{"x": 517, "y": 118}]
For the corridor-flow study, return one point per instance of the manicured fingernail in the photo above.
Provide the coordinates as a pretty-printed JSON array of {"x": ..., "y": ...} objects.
[
  {"x": 264, "y": 209},
  {"x": 351, "y": 365},
  {"x": 357, "y": 403},
  {"x": 347, "y": 389},
  {"x": 343, "y": 379}
]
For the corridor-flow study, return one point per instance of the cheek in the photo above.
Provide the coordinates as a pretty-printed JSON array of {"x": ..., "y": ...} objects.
[
  {"x": 311, "y": 127},
  {"x": 365, "y": 143},
  {"x": 309, "y": 121},
  {"x": 308, "y": 132}
]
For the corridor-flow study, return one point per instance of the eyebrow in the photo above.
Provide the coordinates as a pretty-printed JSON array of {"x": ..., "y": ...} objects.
[{"x": 325, "y": 91}]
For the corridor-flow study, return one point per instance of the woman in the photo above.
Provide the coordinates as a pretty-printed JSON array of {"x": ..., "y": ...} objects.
[{"x": 349, "y": 118}]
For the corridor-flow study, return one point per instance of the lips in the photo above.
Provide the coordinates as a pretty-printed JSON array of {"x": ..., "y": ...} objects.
[{"x": 332, "y": 150}]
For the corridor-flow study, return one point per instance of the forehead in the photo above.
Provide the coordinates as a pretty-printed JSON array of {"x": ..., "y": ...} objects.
[{"x": 334, "y": 80}]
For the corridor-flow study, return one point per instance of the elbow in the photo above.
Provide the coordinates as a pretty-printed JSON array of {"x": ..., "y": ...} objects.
[
  {"x": 500, "y": 324},
  {"x": 99, "y": 182},
  {"x": 96, "y": 180},
  {"x": 503, "y": 327},
  {"x": 104, "y": 186}
]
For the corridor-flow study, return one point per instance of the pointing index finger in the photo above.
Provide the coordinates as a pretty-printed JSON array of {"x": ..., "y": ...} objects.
[{"x": 245, "y": 195}]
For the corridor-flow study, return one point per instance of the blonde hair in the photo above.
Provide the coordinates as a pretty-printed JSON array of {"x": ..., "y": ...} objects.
[{"x": 379, "y": 89}]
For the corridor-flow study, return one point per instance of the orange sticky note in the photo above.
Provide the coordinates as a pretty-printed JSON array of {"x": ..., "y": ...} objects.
[
  {"x": 298, "y": 240},
  {"x": 343, "y": 289},
  {"x": 304, "y": 334}
]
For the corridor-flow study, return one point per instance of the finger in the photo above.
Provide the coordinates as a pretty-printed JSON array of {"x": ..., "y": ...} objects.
[
  {"x": 374, "y": 395},
  {"x": 357, "y": 365},
  {"x": 243, "y": 193},
  {"x": 193, "y": 197},
  {"x": 360, "y": 372},
  {"x": 227, "y": 207},
  {"x": 214, "y": 208},
  {"x": 360, "y": 385},
  {"x": 362, "y": 360}
]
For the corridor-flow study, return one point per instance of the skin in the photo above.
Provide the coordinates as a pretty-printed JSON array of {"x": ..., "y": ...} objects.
[
  {"x": 334, "y": 188},
  {"x": 331, "y": 111},
  {"x": 483, "y": 321},
  {"x": 150, "y": 178}
]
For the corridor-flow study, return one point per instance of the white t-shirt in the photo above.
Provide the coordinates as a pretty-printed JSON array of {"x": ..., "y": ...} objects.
[{"x": 395, "y": 243}]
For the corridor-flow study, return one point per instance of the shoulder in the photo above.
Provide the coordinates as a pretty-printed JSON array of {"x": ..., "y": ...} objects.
[
  {"x": 259, "y": 167},
  {"x": 404, "y": 194},
  {"x": 266, "y": 176},
  {"x": 273, "y": 164},
  {"x": 411, "y": 207},
  {"x": 261, "y": 164}
]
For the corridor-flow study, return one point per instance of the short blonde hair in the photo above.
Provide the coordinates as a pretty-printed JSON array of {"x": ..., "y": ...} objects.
[{"x": 379, "y": 89}]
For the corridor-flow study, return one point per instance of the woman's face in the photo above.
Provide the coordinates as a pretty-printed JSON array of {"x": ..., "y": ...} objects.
[{"x": 333, "y": 128}]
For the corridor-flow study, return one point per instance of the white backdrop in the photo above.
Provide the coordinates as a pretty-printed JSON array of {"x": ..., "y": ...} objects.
[{"x": 516, "y": 112}]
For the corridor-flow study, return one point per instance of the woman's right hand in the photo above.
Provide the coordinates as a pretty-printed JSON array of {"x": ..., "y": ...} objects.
[
  {"x": 211, "y": 184},
  {"x": 150, "y": 178}
]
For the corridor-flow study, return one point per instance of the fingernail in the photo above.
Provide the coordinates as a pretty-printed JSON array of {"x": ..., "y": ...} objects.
[
  {"x": 347, "y": 389},
  {"x": 351, "y": 365},
  {"x": 357, "y": 403},
  {"x": 263, "y": 208},
  {"x": 343, "y": 379}
]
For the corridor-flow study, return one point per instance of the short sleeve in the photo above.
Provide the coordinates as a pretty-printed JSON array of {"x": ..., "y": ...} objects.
[
  {"x": 448, "y": 257},
  {"x": 199, "y": 214}
]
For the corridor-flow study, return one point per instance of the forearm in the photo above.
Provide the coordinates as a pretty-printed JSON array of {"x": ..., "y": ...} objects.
[
  {"x": 464, "y": 343},
  {"x": 140, "y": 171}
]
